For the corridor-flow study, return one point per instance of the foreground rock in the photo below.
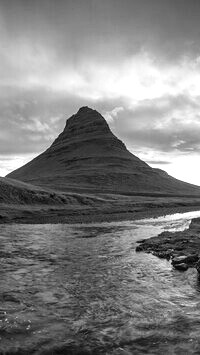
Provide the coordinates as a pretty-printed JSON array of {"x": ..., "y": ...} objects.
[{"x": 183, "y": 248}]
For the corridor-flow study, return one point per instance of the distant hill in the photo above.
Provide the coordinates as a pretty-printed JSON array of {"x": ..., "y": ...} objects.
[
  {"x": 16, "y": 192},
  {"x": 88, "y": 157},
  {"x": 13, "y": 192}
]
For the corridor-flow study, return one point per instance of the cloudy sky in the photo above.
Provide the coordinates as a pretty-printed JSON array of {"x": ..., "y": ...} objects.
[{"x": 136, "y": 61}]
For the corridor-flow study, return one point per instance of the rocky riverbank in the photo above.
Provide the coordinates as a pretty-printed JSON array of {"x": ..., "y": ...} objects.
[{"x": 182, "y": 248}]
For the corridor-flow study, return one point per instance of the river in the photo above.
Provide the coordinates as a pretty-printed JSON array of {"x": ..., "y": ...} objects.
[{"x": 82, "y": 289}]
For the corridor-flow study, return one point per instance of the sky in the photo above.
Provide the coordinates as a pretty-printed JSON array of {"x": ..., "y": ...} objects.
[{"x": 135, "y": 61}]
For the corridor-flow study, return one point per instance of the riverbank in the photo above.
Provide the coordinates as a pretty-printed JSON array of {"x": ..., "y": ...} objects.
[
  {"x": 183, "y": 248},
  {"x": 71, "y": 215}
]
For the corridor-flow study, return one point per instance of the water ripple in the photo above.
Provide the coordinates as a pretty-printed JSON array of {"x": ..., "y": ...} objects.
[{"x": 83, "y": 290}]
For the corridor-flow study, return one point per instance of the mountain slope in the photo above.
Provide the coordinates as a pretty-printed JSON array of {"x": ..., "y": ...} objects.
[
  {"x": 16, "y": 192},
  {"x": 87, "y": 156},
  {"x": 13, "y": 192}
]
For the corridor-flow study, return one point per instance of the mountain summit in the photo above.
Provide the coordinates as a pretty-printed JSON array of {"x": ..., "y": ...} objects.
[
  {"x": 87, "y": 156},
  {"x": 83, "y": 131}
]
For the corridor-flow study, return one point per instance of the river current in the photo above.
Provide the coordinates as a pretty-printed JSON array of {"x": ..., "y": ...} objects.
[{"x": 82, "y": 289}]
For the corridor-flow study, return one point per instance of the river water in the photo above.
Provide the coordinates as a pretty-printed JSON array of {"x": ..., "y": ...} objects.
[{"x": 82, "y": 289}]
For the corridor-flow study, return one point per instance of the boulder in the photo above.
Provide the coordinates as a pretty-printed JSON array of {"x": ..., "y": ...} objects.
[
  {"x": 198, "y": 266},
  {"x": 192, "y": 258},
  {"x": 181, "y": 267},
  {"x": 187, "y": 259},
  {"x": 139, "y": 248},
  {"x": 163, "y": 254},
  {"x": 178, "y": 259}
]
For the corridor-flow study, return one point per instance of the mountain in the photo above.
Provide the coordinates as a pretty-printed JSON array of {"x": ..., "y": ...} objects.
[{"x": 88, "y": 157}]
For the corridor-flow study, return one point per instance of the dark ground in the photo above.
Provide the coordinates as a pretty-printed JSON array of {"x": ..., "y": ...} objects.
[{"x": 97, "y": 209}]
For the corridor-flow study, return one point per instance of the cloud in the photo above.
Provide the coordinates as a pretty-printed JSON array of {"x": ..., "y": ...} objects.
[
  {"x": 62, "y": 43},
  {"x": 170, "y": 123},
  {"x": 158, "y": 162},
  {"x": 31, "y": 119},
  {"x": 137, "y": 62},
  {"x": 151, "y": 47},
  {"x": 10, "y": 162},
  {"x": 110, "y": 115},
  {"x": 79, "y": 28}
]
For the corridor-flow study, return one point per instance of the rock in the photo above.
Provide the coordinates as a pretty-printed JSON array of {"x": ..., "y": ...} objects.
[
  {"x": 198, "y": 266},
  {"x": 181, "y": 266},
  {"x": 187, "y": 259},
  {"x": 141, "y": 241},
  {"x": 163, "y": 254},
  {"x": 181, "y": 246},
  {"x": 7, "y": 297},
  {"x": 139, "y": 248},
  {"x": 178, "y": 259},
  {"x": 192, "y": 258}
]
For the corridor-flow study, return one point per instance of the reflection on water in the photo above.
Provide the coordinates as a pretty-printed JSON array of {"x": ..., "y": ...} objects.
[{"x": 83, "y": 289}]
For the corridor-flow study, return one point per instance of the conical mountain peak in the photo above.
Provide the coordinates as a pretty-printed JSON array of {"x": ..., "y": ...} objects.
[
  {"x": 87, "y": 156},
  {"x": 86, "y": 125},
  {"x": 85, "y": 109},
  {"x": 84, "y": 118}
]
